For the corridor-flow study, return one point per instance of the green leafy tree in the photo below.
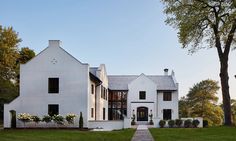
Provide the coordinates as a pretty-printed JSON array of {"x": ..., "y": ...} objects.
[
  {"x": 202, "y": 99},
  {"x": 184, "y": 108},
  {"x": 206, "y": 23},
  {"x": 25, "y": 54},
  {"x": 9, "y": 41}
]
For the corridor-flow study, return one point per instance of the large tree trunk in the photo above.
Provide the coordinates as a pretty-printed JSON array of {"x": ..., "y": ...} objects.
[{"x": 225, "y": 90}]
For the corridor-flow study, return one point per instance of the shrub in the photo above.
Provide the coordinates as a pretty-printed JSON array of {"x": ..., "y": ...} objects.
[
  {"x": 188, "y": 123},
  {"x": 24, "y": 117},
  {"x": 81, "y": 121},
  {"x": 205, "y": 123},
  {"x": 70, "y": 118},
  {"x": 162, "y": 123},
  {"x": 58, "y": 119},
  {"x": 47, "y": 118},
  {"x": 171, "y": 123},
  {"x": 178, "y": 122},
  {"x": 36, "y": 119},
  {"x": 196, "y": 123}
]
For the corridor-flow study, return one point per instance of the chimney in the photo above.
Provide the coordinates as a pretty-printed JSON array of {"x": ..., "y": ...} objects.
[
  {"x": 54, "y": 43},
  {"x": 165, "y": 71}
]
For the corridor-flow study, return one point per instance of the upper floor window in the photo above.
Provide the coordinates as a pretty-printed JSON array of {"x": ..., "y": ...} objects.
[
  {"x": 53, "y": 85},
  {"x": 167, "y": 96},
  {"x": 92, "y": 89},
  {"x": 142, "y": 94},
  {"x": 53, "y": 109}
]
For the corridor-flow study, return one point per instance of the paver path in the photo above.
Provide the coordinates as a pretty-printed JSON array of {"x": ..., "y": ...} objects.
[{"x": 142, "y": 134}]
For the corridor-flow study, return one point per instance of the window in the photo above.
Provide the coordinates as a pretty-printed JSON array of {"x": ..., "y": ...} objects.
[
  {"x": 53, "y": 85},
  {"x": 167, "y": 114},
  {"x": 142, "y": 95},
  {"x": 104, "y": 113},
  {"x": 167, "y": 96},
  {"x": 92, "y": 89},
  {"x": 53, "y": 109},
  {"x": 91, "y": 112},
  {"x": 117, "y": 104},
  {"x": 102, "y": 91}
]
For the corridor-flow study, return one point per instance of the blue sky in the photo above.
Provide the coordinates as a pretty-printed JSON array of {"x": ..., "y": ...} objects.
[{"x": 129, "y": 36}]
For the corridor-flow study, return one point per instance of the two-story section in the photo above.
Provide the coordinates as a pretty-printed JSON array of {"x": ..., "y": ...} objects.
[
  {"x": 143, "y": 97},
  {"x": 54, "y": 82}
]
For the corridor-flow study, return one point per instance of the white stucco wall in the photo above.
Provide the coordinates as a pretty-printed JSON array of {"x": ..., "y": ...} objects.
[
  {"x": 142, "y": 83},
  {"x": 92, "y": 100},
  {"x": 173, "y": 104},
  {"x": 102, "y": 103},
  {"x": 34, "y": 97},
  {"x": 107, "y": 125}
]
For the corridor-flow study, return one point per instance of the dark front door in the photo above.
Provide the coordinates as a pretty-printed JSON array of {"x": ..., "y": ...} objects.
[{"x": 142, "y": 114}]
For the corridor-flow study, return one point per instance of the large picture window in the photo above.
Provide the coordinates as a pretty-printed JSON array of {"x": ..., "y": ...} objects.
[
  {"x": 53, "y": 85},
  {"x": 117, "y": 104}
]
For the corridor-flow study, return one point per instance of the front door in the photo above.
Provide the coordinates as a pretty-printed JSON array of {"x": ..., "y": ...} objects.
[{"x": 142, "y": 114}]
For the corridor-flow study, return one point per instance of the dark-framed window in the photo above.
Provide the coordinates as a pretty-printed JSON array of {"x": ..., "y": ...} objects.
[
  {"x": 92, "y": 89},
  {"x": 167, "y": 96},
  {"x": 167, "y": 114},
  {"x": 53, "y": 109},
  {"x": 92, "y": 112},
  {"x": 53, "y": 85},
  {"x": 142, "y": 95},
  {"x": 104, "y": 113},
  {"x": 117, "y": 104}
]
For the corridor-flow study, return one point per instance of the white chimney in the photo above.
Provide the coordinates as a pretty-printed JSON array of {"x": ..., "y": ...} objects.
[
  {"x": 165, "y": 71},
  {"x": 54, "y": 43}
]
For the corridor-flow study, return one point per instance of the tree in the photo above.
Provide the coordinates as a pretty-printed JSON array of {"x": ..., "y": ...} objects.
[
  {"x": 25, "y": 54},
  {"x": 211, "y": 23},
  {"x": 10, "y": 58},
  {"x": 201, "y": 101},
  {"x": 81, "y": 121},
  {"x": 8, "y": 52},
  {"x": 233, "y": 108},
  {"x": 184, "y": 108}
]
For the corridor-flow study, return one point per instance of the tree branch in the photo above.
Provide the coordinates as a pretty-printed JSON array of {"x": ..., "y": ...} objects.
[{"x": 230, "y": 38}]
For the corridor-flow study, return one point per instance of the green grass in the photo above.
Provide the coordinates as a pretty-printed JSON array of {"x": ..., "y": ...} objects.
[
  {"x": 65, "y": 135},
  {"x": 192, "y": 134}
]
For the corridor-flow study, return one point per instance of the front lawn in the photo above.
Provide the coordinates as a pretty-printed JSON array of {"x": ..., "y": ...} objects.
[
  {"x": 64, "y": 135},
  {"x": 194, "y": 134}
]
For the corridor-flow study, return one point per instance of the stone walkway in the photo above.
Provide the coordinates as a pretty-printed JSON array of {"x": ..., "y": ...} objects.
[{"x": 142, "y": 134}]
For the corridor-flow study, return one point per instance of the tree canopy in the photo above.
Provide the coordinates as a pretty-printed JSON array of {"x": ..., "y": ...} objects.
[
  {"x": 201, "y": 101},
  {"x": 206, "y": 24}
]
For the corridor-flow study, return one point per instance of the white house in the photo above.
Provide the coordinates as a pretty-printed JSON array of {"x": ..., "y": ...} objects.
[{"x": 54, "y": 82}]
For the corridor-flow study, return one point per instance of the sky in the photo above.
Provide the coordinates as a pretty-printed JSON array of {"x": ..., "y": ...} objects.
[{"x": 129, "y": 36}]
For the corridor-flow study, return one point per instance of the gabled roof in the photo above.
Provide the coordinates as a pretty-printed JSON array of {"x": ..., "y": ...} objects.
[{"x": 120, "y": 82}]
